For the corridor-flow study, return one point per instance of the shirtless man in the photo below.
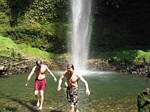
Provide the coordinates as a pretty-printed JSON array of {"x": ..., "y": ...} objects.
[
  {"x": 40, "y": 82},
  {"x": 72, "y": 86}
]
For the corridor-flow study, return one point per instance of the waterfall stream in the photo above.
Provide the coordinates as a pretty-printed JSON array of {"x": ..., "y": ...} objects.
[{"x": 81, "y": 32}]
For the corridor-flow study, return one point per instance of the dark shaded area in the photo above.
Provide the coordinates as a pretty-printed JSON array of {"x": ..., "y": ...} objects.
[
  {"x": 60, "y": 43},
  {"x": 23, "y": 103},
  {"x": 63, "y": 10},
  {"x": 143, "y": 101},
  {"x": 18, "y": 101},
  {"x": 42, "y": 11},
  {"x": 18, "y": 9},
  {"x": 120, "y": 24}
]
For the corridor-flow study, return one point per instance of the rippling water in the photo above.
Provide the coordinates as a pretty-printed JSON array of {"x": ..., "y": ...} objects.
[{"x": 110, "y": 92}]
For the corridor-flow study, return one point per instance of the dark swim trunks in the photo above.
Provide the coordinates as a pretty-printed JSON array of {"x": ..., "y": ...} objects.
[
  {"x": 73, "y": 96},
  {"x": 40, "y": 84}
]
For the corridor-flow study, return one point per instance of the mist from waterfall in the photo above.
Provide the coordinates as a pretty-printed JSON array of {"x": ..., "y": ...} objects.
[{"x": 81, "y": 32}]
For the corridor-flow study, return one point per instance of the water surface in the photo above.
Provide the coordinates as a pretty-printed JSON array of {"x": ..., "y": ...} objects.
[{"x": 110, "y": 92}]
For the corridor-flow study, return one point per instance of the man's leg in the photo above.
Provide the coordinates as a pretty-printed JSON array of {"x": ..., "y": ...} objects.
[
  {"x": 76, "y": 103},
  {"x": 37, "y": 97},
  {"x": 72, "y": 108},
  {"x": 76, "y": 109},
  {"x": 41, "y": 99}
]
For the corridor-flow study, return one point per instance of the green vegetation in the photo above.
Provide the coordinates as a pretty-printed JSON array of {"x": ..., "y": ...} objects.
[
  {"x": 39, "y": 24},
  {"x": 9, "y": 49},
  {"x": 128, "y": 55},
  {"x": 34, "y": 52},
  {"x": 36, "y": 25}
]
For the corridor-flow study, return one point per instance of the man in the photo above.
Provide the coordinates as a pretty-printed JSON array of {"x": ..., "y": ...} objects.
[
  {"x": 40, "y": 82},
  {"x": 72, "y": 86}
]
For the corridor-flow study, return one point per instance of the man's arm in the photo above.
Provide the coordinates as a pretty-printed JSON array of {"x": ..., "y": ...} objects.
[
  {"x": 30, "y": 75},
  {"x": 86, "y": 84},
  {"x": 60, "y": 82},
  {"x": 55, "y": 79}
]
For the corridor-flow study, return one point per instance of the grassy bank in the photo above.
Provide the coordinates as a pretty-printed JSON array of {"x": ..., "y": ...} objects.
[{"x": 10, "y": 49}]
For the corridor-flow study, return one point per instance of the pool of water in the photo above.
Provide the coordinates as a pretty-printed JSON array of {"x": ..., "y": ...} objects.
[{"x": 110, "y": 92}]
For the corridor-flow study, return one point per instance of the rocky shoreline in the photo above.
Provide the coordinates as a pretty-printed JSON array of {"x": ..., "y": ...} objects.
[
  {"x": 10, "y": 66},
  {"x": 143, "y": 101},
  {"x": 141, "y": 68}
]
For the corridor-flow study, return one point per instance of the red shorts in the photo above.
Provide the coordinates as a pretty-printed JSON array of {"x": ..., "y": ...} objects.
[{"x": 40, "y": 84}]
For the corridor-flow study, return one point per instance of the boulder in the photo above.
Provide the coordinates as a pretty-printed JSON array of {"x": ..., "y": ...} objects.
[{"x": 143, "y": 101}]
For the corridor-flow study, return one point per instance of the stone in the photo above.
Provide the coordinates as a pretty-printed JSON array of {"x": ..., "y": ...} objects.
[{"x": 143, "y": 101}]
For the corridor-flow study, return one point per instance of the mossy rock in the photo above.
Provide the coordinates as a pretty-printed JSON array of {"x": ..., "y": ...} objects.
[{"x": 143, "y": 101}]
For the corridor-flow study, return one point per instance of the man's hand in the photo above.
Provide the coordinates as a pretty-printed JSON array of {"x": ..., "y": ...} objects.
[
  {"x": 55, "y": 79},
  {"x": 88, "y": 92},
  {"x": 59, "y": 88},
  {"x": 26, "y": 84}
]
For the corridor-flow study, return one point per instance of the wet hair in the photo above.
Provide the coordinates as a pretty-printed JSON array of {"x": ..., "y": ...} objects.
[
  {"x": 38, "y": 63},
  {"x": 70, "y": 65}
]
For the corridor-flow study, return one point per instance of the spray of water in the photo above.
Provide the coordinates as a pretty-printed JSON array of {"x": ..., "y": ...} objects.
[{"x": 81, "y": 13}]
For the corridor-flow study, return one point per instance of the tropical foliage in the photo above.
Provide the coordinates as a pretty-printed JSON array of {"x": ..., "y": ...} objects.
[{"x": 41, "y": 24}]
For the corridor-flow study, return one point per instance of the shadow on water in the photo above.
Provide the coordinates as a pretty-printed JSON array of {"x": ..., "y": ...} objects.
[
  {"x": 30, "y": 106},
  {"x": 12, "y": 109},
  {"x": 9, "y": 109}
]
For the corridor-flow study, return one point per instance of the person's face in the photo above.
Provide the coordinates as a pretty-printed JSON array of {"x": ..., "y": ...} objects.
[
  {"x": 69, "y": 69},
  {"x": 38, "y": 63}
]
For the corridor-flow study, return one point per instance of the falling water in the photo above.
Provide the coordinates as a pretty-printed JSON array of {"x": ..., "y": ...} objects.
[{"x": 81, "y": 12}]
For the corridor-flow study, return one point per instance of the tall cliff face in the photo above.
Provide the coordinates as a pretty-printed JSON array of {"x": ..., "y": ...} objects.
[{"x": 120, "y": 24}]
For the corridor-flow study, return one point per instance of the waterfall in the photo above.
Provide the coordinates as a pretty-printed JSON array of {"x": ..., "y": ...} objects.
[{"x": 81, "y": 32}]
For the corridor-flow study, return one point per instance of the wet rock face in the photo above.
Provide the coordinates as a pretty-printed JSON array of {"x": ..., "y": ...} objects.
[
  {"x": 143, "y": 101},
  {"x": 3, "y": 69},
  {"x": 99, "y": 64},
  {"x": 14, "y": 66},
  {"x": 142, "y": 68},
  {"x": 10, "y": 66}
]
